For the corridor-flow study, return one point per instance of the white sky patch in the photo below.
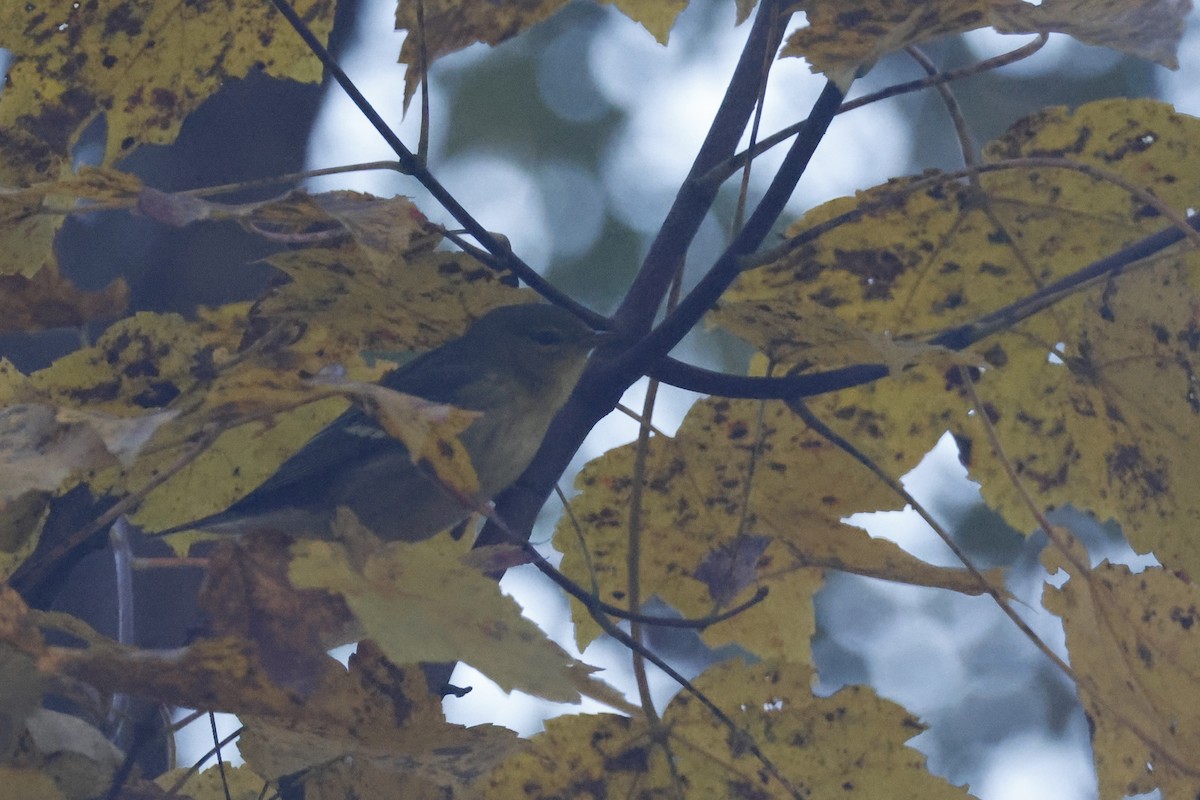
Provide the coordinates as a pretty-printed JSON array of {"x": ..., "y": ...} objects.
[
  {"x": 1030, "y": 767},
  {"x": 939, "y": 474},
  {"x": 504, "y": 198},
  {"x": 341, "y": 135},
  {"x": 1061, "y": 55}
]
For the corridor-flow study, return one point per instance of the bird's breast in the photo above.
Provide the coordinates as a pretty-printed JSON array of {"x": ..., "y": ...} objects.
[{"x": 503, "y": 442}]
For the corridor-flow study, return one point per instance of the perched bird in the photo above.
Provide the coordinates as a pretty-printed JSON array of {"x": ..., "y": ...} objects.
[{"x": 516, "y": 365}]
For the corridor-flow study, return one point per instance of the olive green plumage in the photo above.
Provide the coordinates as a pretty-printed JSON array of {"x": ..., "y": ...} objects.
[{"x": 516, "y": 365}]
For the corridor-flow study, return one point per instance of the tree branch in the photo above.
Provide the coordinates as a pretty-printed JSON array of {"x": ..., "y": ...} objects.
[
  {"x": 724, "y": 170},
  {"x": 698, "y": 379},
  {"x": 705, "y": 381},
  {"x": 601, "y": 387},
  {"x": 726, "y": 269},
  {"x": 637, "y": 310},
  {"x": 411, "y": 165},
  {"x": 963, "y": 336}
]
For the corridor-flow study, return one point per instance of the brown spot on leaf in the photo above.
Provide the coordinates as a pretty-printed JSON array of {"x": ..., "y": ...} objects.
[
  {"x": 122, "y": 20},
  {"x": 999, "y": 236},
  {"x": 59, "y": 120},
  {"x": 1128, "y": 466},
  {"x": 157, "y": 395},
  {"x": 1044, "y": 479},
  {"x": 143, "y": 368},
  {"x": 1186, "y": 619},
  {"x": 849, "y": 20},
  {"x": 164, "y": 99},
  {"x": 827, "y": 298},
  {"x": 1137, "y": 143},
  {"x": 951, "y": 300},
  {"x": 877, "y": 270}
]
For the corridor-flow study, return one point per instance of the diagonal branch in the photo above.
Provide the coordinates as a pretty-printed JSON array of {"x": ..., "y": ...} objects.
[
  {"x": 695, "y": 197},
  {"x": 697, "y": 379},
  {"x": 616, "y": 366},
  {"x": 726, "y": 169},
  {"x": 723, "y": 273},
  {"x": 723, "y": 384},
  {"x": 601, "y": 386},
  {"x": 410, "y": 164}
]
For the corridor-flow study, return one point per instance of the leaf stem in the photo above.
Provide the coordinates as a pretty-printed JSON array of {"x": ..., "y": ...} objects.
[
  {"x": 599, "y": 613},
  {"x": 411, "y": 165},
  {"x": 813, "y": 421},
  {"x": 697, "y": 379},
  {"x": 726, "y": 169}
]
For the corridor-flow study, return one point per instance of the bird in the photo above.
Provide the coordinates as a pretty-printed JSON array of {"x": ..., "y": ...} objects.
[{"x": 516, "y": 365}]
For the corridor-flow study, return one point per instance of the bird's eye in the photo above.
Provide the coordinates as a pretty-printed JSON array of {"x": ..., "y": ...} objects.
[{"x": 546, "y": 337}]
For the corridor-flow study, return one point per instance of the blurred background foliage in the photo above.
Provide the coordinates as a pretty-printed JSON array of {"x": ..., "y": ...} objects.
[{"x": 571, "y": 141}]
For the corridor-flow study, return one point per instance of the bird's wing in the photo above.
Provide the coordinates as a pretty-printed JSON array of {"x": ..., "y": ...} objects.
[
  {"x": 352, "y": 436},
  {"x": 355, "y": 436}
]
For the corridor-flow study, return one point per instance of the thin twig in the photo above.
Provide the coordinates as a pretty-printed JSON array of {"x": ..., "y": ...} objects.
[
  {"x": 815, "y": 422},
  {"x": 290, "y": 178},
  {"x": 694, "y": 199},
  {"x": 633, "y": 550},
  {"x": 756, "y": 123},
  {"x": 34, "y": 571},
  {"x": 971, "y": 160},
  {"x": 636, "y": 417},
  {"x": 423, "y": 61},
  {"x": 411, "y": 165},
  {"x": 595, "y": 609},
  {"x": 633, "y": 567},
  {"x": 633, "y": 559},
  {"x": 195, "y": 768},
  {"x": 217, "y": 746},
  {"x": 131, "y": 202},
  {"x": 981, "y": 413},
  {"x": 1184, "y": 226},
  {"x": 721, "y": 172},
  {"x": 966, "y": 141},
  {"x": 580, "y": 541}
]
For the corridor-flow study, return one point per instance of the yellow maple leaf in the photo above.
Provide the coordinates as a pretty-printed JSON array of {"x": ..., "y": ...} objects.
[
  {"x": 420, "y": 603},
  {"x": 1134, "y": 641}
]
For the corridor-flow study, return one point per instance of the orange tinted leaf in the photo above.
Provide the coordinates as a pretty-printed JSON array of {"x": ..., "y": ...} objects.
[{"x": 48, "y": 300}]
